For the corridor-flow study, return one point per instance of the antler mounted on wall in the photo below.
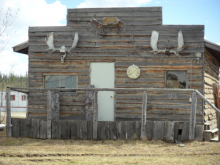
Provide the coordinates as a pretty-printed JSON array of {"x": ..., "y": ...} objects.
[
  {"x": 63, "y": 50},
  {"x": 98, "y": 27},
  {"x": 155, "y": 38}
]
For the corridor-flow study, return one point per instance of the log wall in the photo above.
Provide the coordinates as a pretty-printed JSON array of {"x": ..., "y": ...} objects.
[
  {"x": 211, "y": 77},
  {"x": 125, "y": 48}
]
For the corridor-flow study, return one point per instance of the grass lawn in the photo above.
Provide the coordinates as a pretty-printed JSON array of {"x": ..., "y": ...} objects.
[{"x": 36, "y": 151}]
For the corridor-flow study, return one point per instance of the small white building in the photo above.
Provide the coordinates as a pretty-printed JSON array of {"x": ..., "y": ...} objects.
[{"x": 18, "y": 101}]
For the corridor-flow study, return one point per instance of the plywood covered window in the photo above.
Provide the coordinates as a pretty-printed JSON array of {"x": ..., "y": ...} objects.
[
  {"x": 176, "y": 79},
  {"x": 60, "y": 81}
]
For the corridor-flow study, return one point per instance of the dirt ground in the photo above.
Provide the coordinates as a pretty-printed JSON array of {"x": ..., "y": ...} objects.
[{"x": 36, "y": 151}]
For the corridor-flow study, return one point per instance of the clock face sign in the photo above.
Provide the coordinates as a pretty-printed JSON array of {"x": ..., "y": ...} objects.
[{"x": 133, "y": 71}]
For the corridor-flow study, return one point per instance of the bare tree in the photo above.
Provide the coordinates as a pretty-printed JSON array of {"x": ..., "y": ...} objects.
[{"x": 6, "y": 20}]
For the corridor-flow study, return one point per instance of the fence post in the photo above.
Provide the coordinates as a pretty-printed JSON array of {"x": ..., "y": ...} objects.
[
  {"x": 8, "y": 119},
  {"x": 218, "y": 120},
  {"x": 95, "y": 115},
  {"x": 52, "y": 110},
  {"x": 192, "y": 123},
  {"x": 144, "y": 114},
  {"x": 49, "y": 112}
]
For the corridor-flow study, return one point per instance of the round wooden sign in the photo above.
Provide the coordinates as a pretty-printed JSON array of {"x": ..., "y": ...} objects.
[{"x": 133, "y": 71}]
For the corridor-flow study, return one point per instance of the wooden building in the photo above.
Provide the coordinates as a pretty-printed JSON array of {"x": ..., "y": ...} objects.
[{"x": 122, "y": 48}]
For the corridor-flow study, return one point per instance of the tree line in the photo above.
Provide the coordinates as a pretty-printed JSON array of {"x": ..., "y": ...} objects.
[{"x": 13, "y": 80}]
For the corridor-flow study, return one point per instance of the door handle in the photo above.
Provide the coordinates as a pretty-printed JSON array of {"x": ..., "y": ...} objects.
[{"x": 111, "y": 96}]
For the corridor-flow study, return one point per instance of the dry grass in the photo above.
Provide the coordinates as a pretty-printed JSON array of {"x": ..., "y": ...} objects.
[{"x": 36, "y": 151}]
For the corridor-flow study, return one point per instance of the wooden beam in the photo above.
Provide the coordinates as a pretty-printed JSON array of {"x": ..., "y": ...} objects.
[
  {"x": 113, "y": 89},
  {"x": 8, "y": 119},
  {"x": 144, "y": 114},
  {"x": 95, "y": 115},
  {"x": 207, "y": 101},
  {"x": 192, "y": 124}
]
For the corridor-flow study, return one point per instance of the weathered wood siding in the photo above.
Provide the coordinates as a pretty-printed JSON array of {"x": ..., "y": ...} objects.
[
  {"x": 169, "y": 131},
  {"x": 125, "y": 48},
  {"x": 211, "y": 77}
]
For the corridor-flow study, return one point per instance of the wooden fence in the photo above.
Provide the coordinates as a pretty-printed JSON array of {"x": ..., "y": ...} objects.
[
  {"x": 53, "y": 108},
  {"x": 106, "y": 130}
]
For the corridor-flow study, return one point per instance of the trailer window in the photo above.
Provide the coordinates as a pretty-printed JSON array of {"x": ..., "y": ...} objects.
[
  {"x": 23, "y": 97},
  {"x": 176, "y": 79},
  {"x": 12, "y": 97},
  {"x": 56, "y": 81}
]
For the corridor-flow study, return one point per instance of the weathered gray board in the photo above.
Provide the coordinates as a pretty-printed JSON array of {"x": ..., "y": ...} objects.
[
  {"x": 66, "y": 129},
  {"x": 126, "y": 48}
]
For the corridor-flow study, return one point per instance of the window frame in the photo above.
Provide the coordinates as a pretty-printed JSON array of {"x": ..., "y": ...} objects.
[
  {"x": 62, "y": 74},
  {"x": 165, "y": 75}
]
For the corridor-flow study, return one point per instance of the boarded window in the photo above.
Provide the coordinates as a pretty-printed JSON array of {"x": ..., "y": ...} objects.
[
  {"x": 55, "y": 81},
  {"x": 176, "y": 79}
]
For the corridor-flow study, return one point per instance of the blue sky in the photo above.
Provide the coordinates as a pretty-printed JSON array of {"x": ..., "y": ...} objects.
[
  {"x": 182, "y": 12},
  {"x": 53, "y": 13}
]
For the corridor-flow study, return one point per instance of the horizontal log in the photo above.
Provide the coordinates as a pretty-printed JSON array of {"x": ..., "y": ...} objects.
[{"x": 124, "y": 9}]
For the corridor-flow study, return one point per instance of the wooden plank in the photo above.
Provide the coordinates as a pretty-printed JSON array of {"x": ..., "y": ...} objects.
[
  {"x": 89, "y": 130},
  {"x": 35, "y": 128},
  {"x": 115, "y": 9},
  {"x": 65, "y": 129},
  {"x": 158, "y": 130},
  {"x": 176, "y": 131},
  {"x": 185, "y": 132},
  {"x": 144, "y": 114},
  {"x": 49, "y": 112},
  {"x": 56, "y": 129},
  {"x": 8, "y": 117},
  {"x": 149, "y": 129},
  {"x": 83, "y": 130},
  {"x": 25, "y": 127},
  {"x": 73, "y": 129},
  {"x": 199, "y": 132},
  {"x": 170, "y": 131},
  {"x": 43, "y": 129},
  {"x": 193, "y": 117},
  {"x": 95, "y": 115},
  {"x": 15, "y": 127},
  {"x": 53, "y": 108}
]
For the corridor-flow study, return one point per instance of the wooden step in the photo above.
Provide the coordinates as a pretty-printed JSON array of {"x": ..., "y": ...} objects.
[
  {"x": 212, "y": 131},
  {"x": 208, "y": 135},
  {"x": 214, "y": 139}
]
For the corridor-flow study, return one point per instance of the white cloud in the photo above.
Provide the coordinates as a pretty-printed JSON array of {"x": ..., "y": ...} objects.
[
  {"x": 204, "y": 37},
  {"x": 112, "y": 3},
  {"x": 157, "y": 2},
  {"x": 218, "y": 43},
  {"x": 31, "y": 13}
]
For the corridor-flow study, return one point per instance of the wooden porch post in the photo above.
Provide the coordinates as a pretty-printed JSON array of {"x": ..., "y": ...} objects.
[
  {"x": 8, "y": 119},
  {"x": 53, "y": 108},
  {"x": 192, "y": 124},
  {"x": 95, "y": 115},
  {"x": 144, "y": 114}
]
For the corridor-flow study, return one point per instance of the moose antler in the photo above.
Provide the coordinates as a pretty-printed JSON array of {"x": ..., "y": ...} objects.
[
  {"x": 49, "y": 41},
  {"x": 180, "y": 44}
]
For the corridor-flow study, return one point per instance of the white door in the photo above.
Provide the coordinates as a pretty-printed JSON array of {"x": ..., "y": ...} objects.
[{"x": 103, "y": 76}]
